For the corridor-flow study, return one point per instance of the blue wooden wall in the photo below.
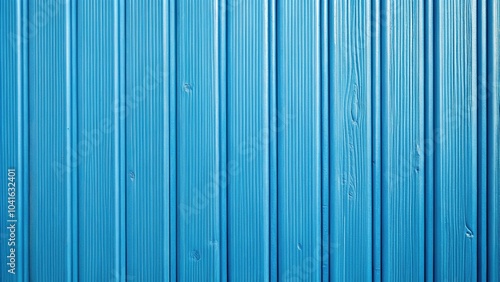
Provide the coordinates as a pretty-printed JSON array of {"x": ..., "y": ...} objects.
[{"x": 250, "y": 140}]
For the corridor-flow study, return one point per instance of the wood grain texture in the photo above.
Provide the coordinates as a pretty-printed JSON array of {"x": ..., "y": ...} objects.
[
  {"x": 98, "y": 141},
  {"x": 482, "y": 140},
  {"x": 299, "y": 140},
  {"x": 350, "y": 146},
  {"x": 185, "y": 140},
  {"x": 171, "y": 40},
  {"x": 455, "y": 157},
  {"x": 402, "y": 140},
  {"x": 147, "y": 133},
  {"x": 201, "y": 177},
  {"x": 273, "y": 141},
  {"x": 248, "y": 141},
  {"x": 324, "y": 257},
  {"x": 50, "y": 129},
  {"x": 429, "y": 144}
]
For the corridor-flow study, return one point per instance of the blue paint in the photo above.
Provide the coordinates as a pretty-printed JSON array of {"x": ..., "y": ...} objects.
[{"x": 233, "y": 140}]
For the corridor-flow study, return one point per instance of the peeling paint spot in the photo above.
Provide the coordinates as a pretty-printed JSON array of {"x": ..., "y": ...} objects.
[
  {"x": 343, "y": 179},
  {"x": 418, "y": 149},
  {"x": 188, "y": 88},
  {"x": 299, "y": 246},
  {"x": 195, "y": 255},
  {"x": 351, "y": 194},
  {"x": 468, "y": 233}
]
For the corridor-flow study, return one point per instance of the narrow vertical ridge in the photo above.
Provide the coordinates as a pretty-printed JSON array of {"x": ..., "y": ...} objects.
[
  {"x": 23, "y": 156},
  {"x": 493, "y": 116},
  {"x": 167, "y": 221},
  {"x": 118, "y": 136},
  {"x": 437, "y": 110},
  {"x": 376, "y": 54},
  {"x": 221, "y": 12},
  {"x": 121, "y": 174},
  {"x": 172, "y": 227},
  {"x": 429, "y": 144},
  {"x": 325, "y": 143},
  {"x": 168, "y": 20},
  {"x": 421, "y": 80},
  {"x": 474, "y": 223},
  {"x": 385, "y": 45},
  {"x": 166, "y": 138},
  {"x": 69, "y": 137},
  {"x": 72, "y": 142},
  {"x": 119, "y": 89},
  {"x": 273, "y": 143},
  {"x": 482, "y": 139}
]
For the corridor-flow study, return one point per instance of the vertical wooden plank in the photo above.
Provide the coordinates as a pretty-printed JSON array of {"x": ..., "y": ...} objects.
[
  {"x": 378, "y": 20},
  {"x": 403, "y": 140},
  {"x": 200, "y": 176},
  {"x": 9, "y": 143},
  {"x": 273, "y": 140},
  {"x": 430, "y": 141},
  {"x": 170, "y": 40},
  {"x": 299, "y": 140},
  {"x": 72, "y": 120},
  {"x": 221, "y": 57},
  {"x": 325, "y": 142},
  {"x": 351, "y": 148},
  {"x": 120, "y": 149},
  {"x": 482, "y": 115},
  {"x": 98, "y": 140},
  {"x": 493, "y": 140},
  {"x": 456, "y": 143},
  {"x": 147, "y": 142},
  {"x": 13, "y": 141},
  {"x": 50, "y": 163},
  {"x": 25, "y": 175},
  {"x": 248, "y": 140}
]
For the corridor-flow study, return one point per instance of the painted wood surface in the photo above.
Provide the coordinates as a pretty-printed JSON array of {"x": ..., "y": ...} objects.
[{"x": 234, "y": 140}]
